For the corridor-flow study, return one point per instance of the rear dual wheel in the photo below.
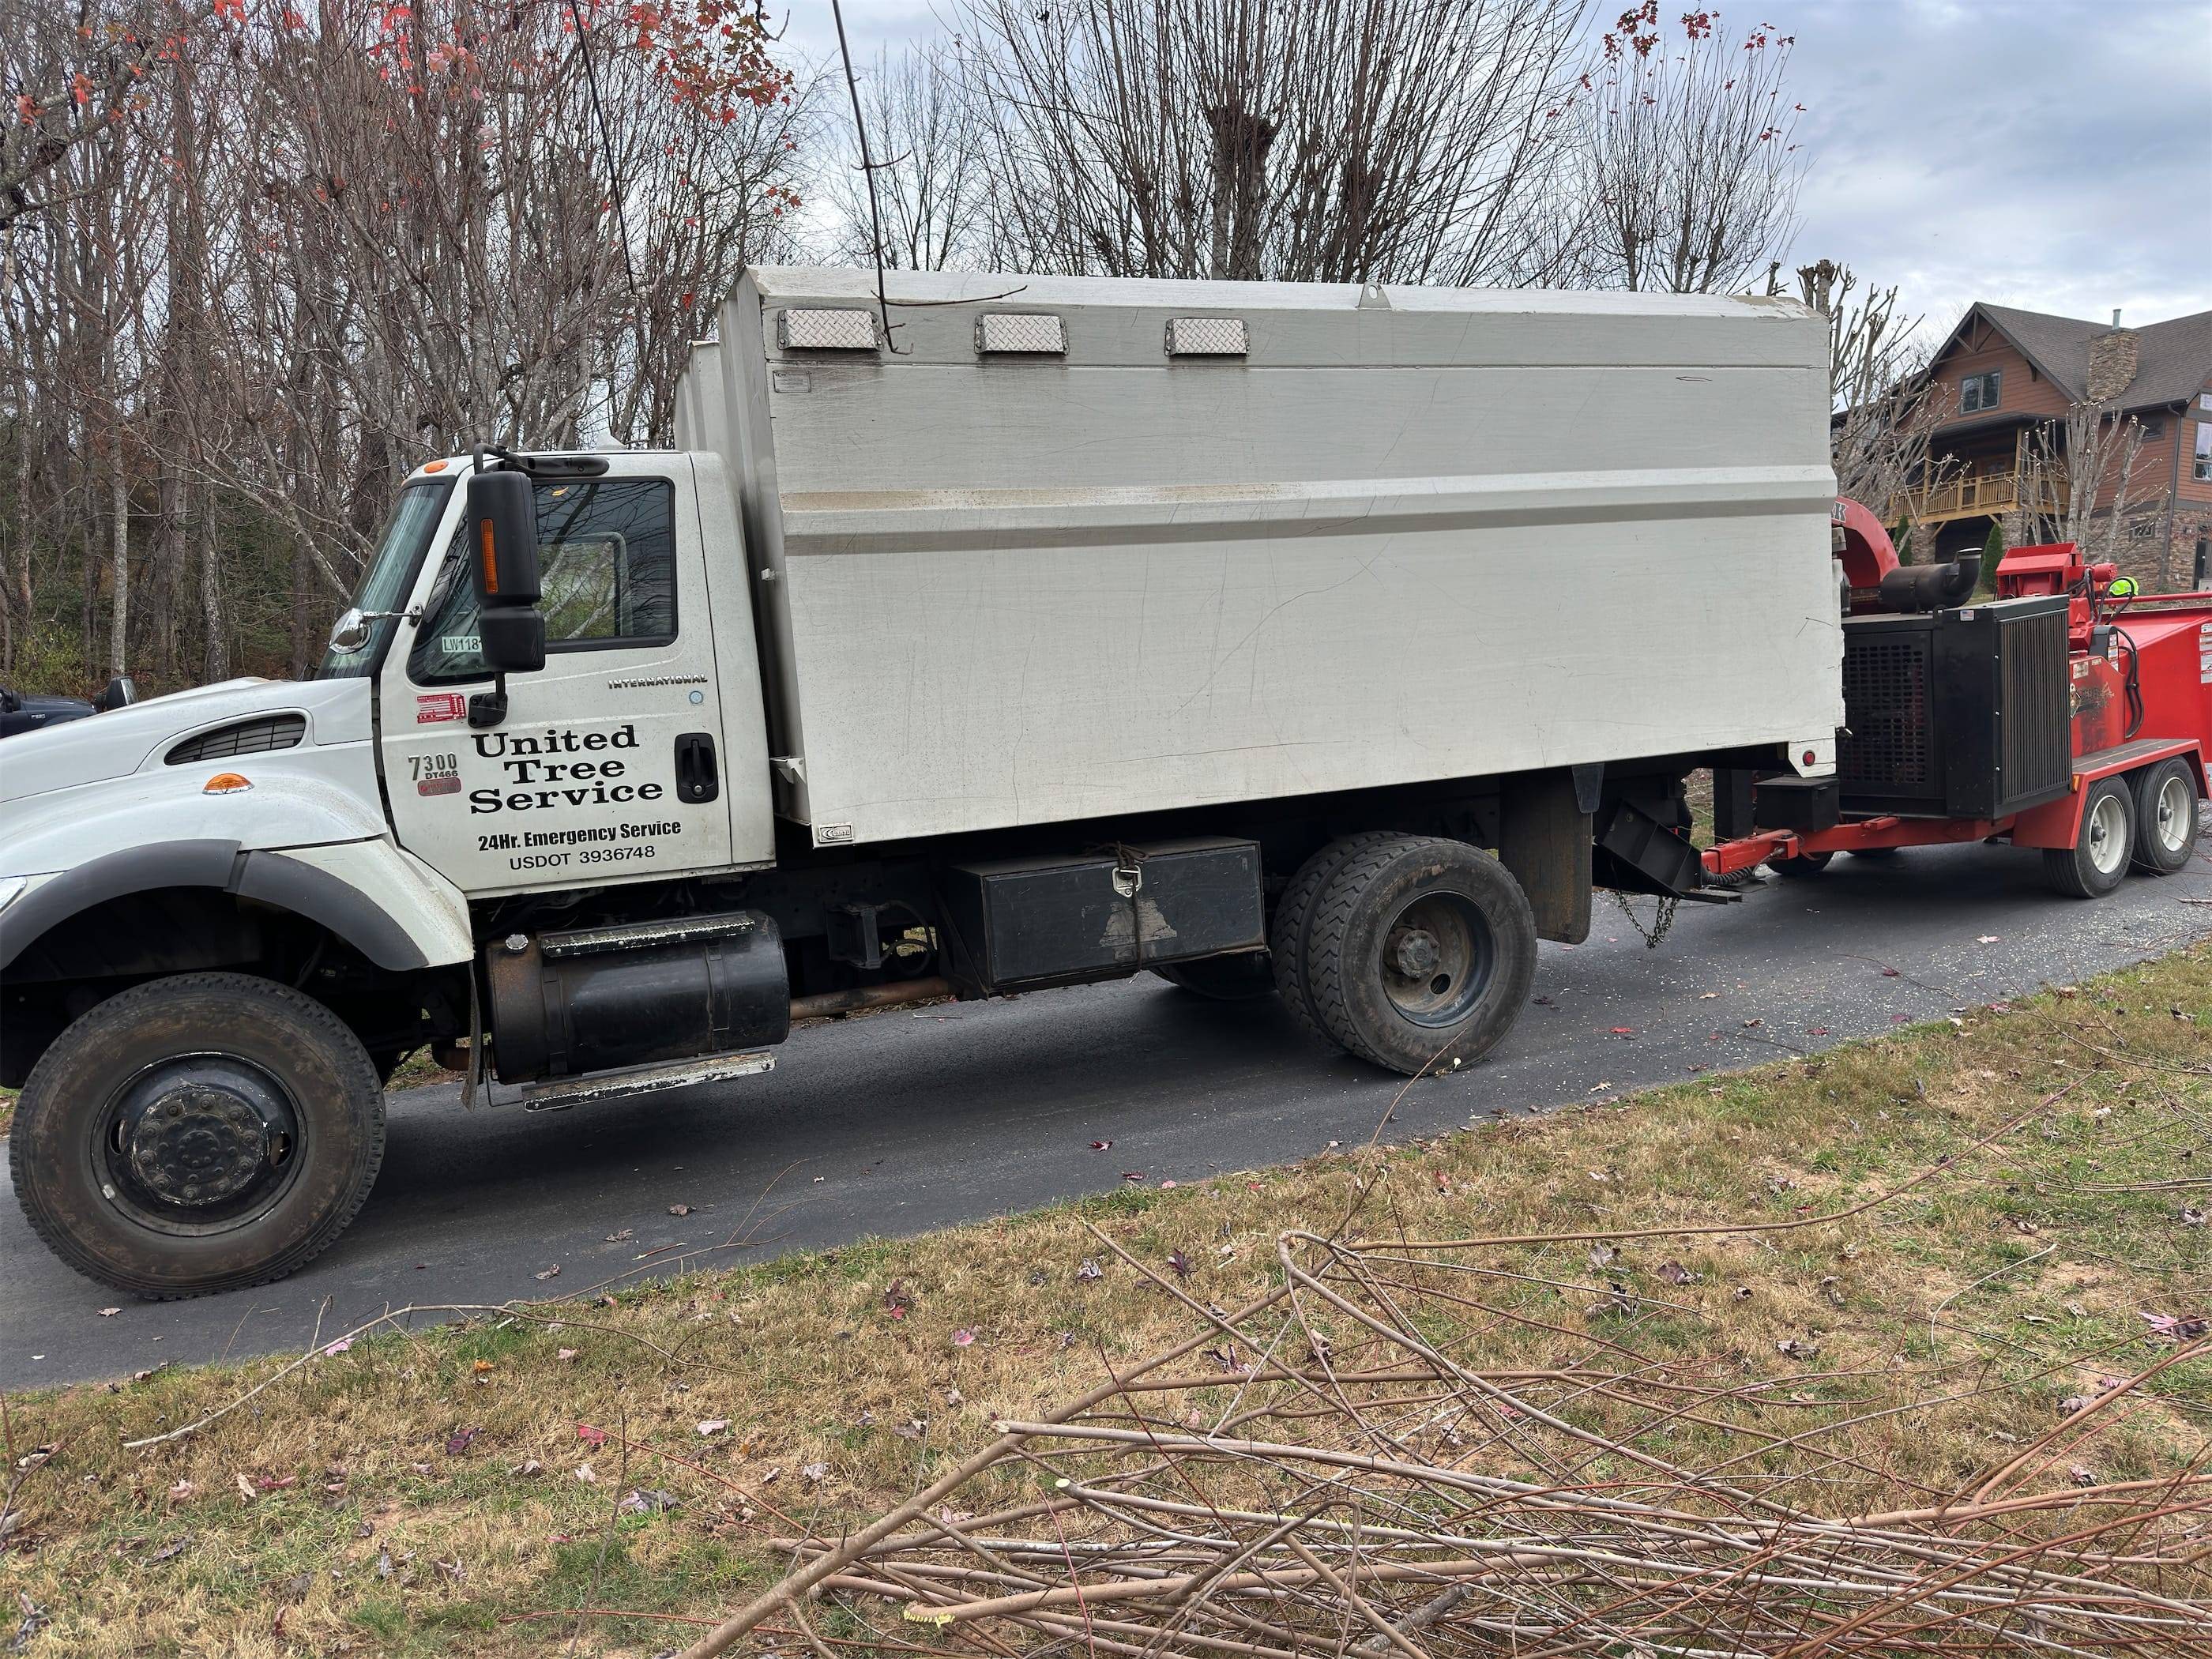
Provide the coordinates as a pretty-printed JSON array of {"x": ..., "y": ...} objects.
[
  {"x": 1412, "y": 952},
  {"x": 2097, "y": 861}
]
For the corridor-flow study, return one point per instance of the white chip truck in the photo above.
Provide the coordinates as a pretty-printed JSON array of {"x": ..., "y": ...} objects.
[{"x": 1024, "y": 631}]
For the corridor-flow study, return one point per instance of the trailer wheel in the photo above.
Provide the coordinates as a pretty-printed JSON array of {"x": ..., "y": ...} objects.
[
  {"x": 1800, "y": 868},
  {"x": 1420, "y": 953},
  {"x": 2094, "y": 866},
  {"x": 201, "y": 1133},
  {"x": 1288, "y": 932},
  {"x": 2165, "y": 816},
  {"x": 1237, "y": 978}
]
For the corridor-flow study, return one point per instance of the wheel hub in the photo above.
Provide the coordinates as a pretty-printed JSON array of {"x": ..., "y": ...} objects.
[
  {"x": 1415, "y": 953},
  {"x": 204, "y": 1132}
]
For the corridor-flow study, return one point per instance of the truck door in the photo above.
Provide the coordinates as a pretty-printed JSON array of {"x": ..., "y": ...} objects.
[{"x": 609, "y": 764}]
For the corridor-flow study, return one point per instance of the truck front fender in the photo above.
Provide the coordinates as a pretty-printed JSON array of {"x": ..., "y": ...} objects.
[{"x": 392, "y": 907}]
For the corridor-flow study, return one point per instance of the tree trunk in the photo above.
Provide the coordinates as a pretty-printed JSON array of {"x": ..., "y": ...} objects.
[
  {"x": 118, "y": 637},
  {"x": 216, "y": 654}
]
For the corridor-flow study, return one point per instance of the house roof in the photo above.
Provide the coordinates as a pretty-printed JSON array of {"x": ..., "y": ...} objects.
[{"x": 2174, "y": 359}]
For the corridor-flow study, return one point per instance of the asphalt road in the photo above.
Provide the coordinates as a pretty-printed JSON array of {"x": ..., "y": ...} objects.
[{"x": 900, "y": 1121}]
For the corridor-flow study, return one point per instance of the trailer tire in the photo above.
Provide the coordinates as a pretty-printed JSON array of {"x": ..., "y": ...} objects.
[
  {"x": 1802, "y": 867},
  {"x": 1420, "y": 953},
  {"x": 1288, "y": 931},
  {"x": 2165, "y": 816},
  {"x": 2097, "y": 861},
  {"x": 1237, "y": 978},
  {"x": 179, "y": 1085}
]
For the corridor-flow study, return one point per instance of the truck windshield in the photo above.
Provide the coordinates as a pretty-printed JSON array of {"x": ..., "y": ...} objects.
[{"x": 389, "y": 575}]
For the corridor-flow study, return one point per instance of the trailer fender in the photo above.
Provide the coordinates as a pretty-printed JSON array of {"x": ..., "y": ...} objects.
[
  {"x": 2058, "y": 823},
  {"x": 396, "y": 911}
]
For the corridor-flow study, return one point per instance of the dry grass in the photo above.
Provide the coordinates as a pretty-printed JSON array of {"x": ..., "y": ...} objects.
[{"x": 2015, "y": 1279}]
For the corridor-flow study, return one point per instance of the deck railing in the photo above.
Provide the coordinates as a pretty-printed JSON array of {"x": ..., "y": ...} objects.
[{"x": 1989, "y": 494}]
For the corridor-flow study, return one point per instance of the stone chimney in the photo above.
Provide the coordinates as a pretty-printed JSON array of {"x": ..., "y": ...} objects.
[{"x": 2111, "y": 364}]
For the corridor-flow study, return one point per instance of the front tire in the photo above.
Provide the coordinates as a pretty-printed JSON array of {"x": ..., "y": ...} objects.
[
  {"x": 1802, "y": 868},
  {"x": 2095, "y": 865},
  {"x": 2165, "y": 816},
  {"x": 201, "y": 1133},
  {"x": 1420, "y": 953}
]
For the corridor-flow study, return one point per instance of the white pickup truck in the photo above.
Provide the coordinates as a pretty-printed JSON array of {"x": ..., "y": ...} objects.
[{"x": 1028, "y": 631}]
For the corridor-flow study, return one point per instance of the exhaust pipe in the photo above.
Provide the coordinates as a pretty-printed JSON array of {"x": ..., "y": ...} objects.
[
  {"x": 1932, "y": 586},
  {"x": 871, "y": 996}
]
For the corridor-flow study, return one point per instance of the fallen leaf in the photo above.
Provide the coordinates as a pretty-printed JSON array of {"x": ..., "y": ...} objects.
[
  {"x": 2081, "y": 1476},
  {"x": 245, "y": 1487},
  {"x": 624, "y": 1237},
  {"x": 181, "y": 1490},
  {"x": 1100, "y": 1145},
  {"x": 338, "y": 1347},
  {"x": 962, "y": 1338},
  {"x": 1816, "y": 1031},
  {"x": 553, "y": 1272},
  {"x": 453, "y": 1570},
  {"x": 564, "y": 1355},
  {"x": 169, "y": 1551},
  {"x": 1090, "y": 1270},
  {"x": 527, "y": 1467},
  {"x": 459, "y": 1441},
  {"x": 648, "y": 1500},
  {"x": 1133, "y": 1175},
  {"x": 481, "y": 1368},
  {"x": 712, "y": 1425},
  {"x": 1986, "y": 938},
  {"x": 1791, "y": 1348},
  {"x": 1624, "y": 1030},
  {"x": 1708, "y": 996},
  {"x": 1180, "y": 1263},
  {"x": 814, "y": 1474},
  {"x": 583, "y": 1473},
  {"x": 109, "y": 1313},
  {"x": 1675, "y": 1273},
  {"x": 679, "y": 1209},
  {"x": 590, "y": 1436}
]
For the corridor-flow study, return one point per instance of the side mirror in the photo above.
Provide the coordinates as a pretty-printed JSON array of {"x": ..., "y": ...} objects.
[
  {"x": 350, "y": 632},
  {"x": 503, "y": 540},
  {"x": 122, "y": 691},
  {"x": 503, "y": 560}
]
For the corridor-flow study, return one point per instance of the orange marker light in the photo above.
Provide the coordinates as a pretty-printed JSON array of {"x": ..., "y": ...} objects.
[
  {"x": 225, "y": 783},
  {"x": 490, "y": 555},
  {"x": 433, "y": 466}
]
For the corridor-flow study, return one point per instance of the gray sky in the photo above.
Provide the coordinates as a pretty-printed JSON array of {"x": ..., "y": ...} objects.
[{"x": 2050, "y": 154}]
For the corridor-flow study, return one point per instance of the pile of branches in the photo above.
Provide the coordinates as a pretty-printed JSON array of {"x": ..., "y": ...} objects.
[{"x": 1356, "y": 1484}]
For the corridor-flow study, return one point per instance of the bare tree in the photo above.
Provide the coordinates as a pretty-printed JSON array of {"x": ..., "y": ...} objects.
[
  {"x": 1887, "y": 408},
  {"x": 2082, "y": 477},
  {"x": 1689, "y": 159},
  {"x": 932, "y": 193},
  {"x": 1299, "y": 140}
]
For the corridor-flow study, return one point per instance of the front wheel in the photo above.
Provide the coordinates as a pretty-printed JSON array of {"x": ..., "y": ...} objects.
[
  {"x": 201, "y": 1133},
  {"x": 1420, "y": 953},
  {"x": 1803, "y": 865},
  {"x": 2094, "y": 866}
]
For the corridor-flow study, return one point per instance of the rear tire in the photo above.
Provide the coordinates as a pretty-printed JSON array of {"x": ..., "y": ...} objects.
[
  {"x": 1287, "y": 934},
  {"x": 201, "y": 1133},
  {"x": 2095, "y": 865},
  {"x": 1420, "y": 953},
  {"x": 2165, "y": 816},
  {"x": 1239, "y": 978}
]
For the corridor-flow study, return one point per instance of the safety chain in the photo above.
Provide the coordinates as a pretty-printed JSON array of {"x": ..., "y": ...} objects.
[{"x": 1661, "y": 922}]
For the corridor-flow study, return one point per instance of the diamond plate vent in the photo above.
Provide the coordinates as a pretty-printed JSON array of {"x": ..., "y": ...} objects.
[
  {"x": 1033, "y": 331},
  {"x": 1206, "y": 337},
  {"x": 818, "y": 328}
]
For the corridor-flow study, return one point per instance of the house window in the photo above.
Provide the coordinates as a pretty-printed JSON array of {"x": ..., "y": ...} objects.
[
  {"x": 2154, "y": 426},
  {"x": 1980, "y": 392},
  {"x": 2202, "y": 470}
]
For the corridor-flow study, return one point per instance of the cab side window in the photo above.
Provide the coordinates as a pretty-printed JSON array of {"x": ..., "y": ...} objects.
[{"x": 606, "y": 558}]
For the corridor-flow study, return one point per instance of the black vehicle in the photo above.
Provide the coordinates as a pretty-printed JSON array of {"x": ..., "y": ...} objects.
[{"x": 21, "y": 712}]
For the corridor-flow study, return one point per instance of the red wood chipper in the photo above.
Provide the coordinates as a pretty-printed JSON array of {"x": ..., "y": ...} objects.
[{"x": 2067, "y": 712}]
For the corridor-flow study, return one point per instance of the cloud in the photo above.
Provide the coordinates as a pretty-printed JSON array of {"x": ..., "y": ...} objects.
[{"x": 2050, "y": 154}]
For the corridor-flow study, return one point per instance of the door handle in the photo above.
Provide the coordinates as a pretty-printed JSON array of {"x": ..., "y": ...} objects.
[{"x": 697, "y": 777}]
